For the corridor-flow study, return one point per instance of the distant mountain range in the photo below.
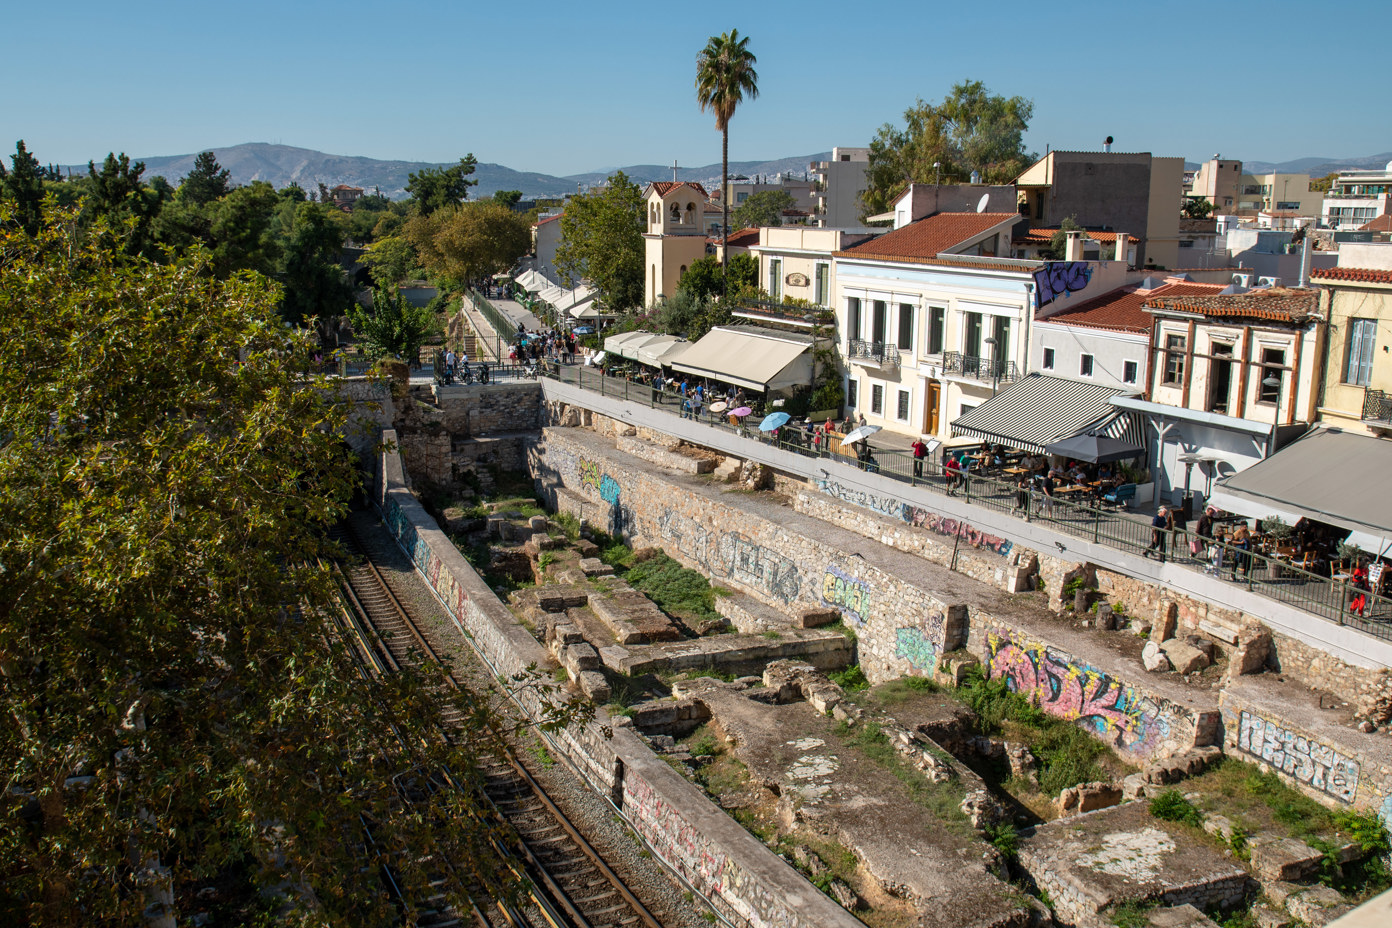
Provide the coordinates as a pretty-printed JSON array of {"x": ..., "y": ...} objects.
[{"x": 280, "y": 165}]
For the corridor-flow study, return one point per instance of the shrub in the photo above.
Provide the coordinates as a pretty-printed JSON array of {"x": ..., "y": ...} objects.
[
  {"x": 673, "y": 588},
  {"x": 852, "y": 679},
  {"x": 1171, "y": 806}
]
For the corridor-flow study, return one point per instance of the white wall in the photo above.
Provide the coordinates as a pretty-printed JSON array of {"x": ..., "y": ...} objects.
[{"x": 1109, "y": 350}]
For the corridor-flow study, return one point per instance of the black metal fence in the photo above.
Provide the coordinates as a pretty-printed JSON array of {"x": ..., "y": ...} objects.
[{"x": 1335, "y": 600}]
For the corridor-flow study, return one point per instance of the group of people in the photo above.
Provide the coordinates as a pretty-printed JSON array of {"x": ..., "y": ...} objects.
[{"x": 553, "y": 345}]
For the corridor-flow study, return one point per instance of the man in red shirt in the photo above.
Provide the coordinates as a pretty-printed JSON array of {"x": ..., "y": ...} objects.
[{"x": 920, "y": 451}]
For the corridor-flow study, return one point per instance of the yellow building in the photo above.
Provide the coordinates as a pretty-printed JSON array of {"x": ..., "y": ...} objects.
[
  {"x": 1357, "y": 394},
  {"x": 675, "y": 235}
]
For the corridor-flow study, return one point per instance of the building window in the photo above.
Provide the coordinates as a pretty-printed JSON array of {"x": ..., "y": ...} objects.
[
  {"x": 877, "y": 399},
  {"x": 1048, "y": 359},
  {"x": 879, "y": 322},
  {"x": 1174, "y": 359},
  {"x": 1272, "y": 375},
  {"x": 852, "y": 390},
  {"x": 823, "y": 293},
  {"x": 775, "y": 281},
  {"x": 1358, "y": 366},
  {"x": 965, "y": 408},
  {"x": 1186, "y": 243},
  {"x": 852, "y": 317},
  {"x": 903, "y": 410},
  {"x": 1130, "y": 371},
  {"x": 906, "y": 314},
  {"x": 937, "y": 325},
  {"x": 971, "y": 338},
  {"x": 1085, "y": 365}
]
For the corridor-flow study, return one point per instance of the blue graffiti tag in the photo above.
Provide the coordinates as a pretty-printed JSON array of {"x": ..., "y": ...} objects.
[
  {"x": 609, "y": 489},
  {"x": 1060, "y": 278}
]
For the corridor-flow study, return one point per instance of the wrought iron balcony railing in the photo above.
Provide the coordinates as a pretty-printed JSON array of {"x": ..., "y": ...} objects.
[
  {"x": 1377, "y": 404},
  {"x": 881, "y": 353},
  {"x": 772, "y": 311},
  {"x": 954, "y": 362}
]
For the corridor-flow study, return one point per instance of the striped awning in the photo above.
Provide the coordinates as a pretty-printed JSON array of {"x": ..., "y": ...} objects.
[{"x": 1039, "y": 410}]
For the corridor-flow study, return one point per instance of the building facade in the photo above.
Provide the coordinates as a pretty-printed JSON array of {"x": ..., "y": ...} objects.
[
  {"x": 674, "y": 237},
  {"x": 837, "y": 186},
  {"x": 1356, "y": 198},
  {"x": 1357, "y": 390}
]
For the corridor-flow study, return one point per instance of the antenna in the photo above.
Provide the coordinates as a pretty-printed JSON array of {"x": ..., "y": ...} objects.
[{"x": 981, "y": 204}]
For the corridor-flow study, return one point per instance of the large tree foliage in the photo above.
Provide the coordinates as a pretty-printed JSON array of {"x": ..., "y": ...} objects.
[
  {"x": 390, "y": 260},
  {"x": 207, "y": 181},
  {"x": 764, "y": 208},
  {"x": 602, "y": 241},
  {"x": 725, "y": 76},
  {"x": 24, "y": 185},
  {"x": 703, "y": 277},
  {"x": 118, "y": 194},
  {"x": 436, "y": 188},
  {"x": 970, "y": 130},
  {"x": 393, "y": 328},
  {"x": 174, "y": 713},
  {"x": 315, "y": 283},
  {"x": 469, "y": 241}
]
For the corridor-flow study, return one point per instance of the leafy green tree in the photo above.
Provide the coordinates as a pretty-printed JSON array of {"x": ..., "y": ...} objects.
[
  {"x": 436, "y": 188},
  {"x": 1197, "y": 208},
  {"x": 725, "y": 75},
  {"x": 1322, "y": 184},
  {"x": 602, "y": 241},
  {"x": 469, "y": 241},
  {"x": 970, "y": 130},
  {"x": 508, "y": 198},
  {"x": 241, "y": 230},
  {"x": 118, "y": 194},
  {"x": 391, "y": 260},
  {"x": 764, "y": 208},
  {"x": 1057, "y": 249},
  {"x": 743, "y": 272},
  {"x": 703, "y": 277},
  {"x": 24, "y": 185},
  {"x": 393, "y": 328},
  {"x": 208, "y": 181},
  {"x": 310, "y": 268},
  {"x": 175, "y": 714}
]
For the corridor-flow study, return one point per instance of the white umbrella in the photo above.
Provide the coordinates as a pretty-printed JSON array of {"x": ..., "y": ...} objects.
[{"x": 860, "y": 434}]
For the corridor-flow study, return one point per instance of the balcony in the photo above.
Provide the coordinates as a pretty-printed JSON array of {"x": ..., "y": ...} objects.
[
  {"x": 804, "y": 317},
  {"x": 881, "y": 353},
  {"x": 966, "y": 365},
  {"x": 1377, "y": 407}
]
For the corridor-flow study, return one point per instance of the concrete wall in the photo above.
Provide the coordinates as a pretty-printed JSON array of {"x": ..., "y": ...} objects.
[
  {"x": 732, "y": 870},
  {"x": 1110, "y": 351}
]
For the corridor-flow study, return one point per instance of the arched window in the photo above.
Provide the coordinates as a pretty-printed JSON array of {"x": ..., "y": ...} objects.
[
  {"x": 682, "y": 271},
  {"x": 676, "y": 213}
]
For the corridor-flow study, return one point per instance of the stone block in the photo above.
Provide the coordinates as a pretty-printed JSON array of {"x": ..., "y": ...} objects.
[
  {"x": 1200, "y": 643},
  {"x": 1180, "y": 916},
  {"x": 823, "y": 696},
  {"x": 1267, "y": 917},
  {"x": 578, "y": 658},
  {"x": 1086, "y": 797},
  {"x": 1284, "y": 859},
  {"x": 1134, "y": 786},
  {"x": 1220, "y": 826},
  {"x": 1154, "y": 659},
  {"x": 1224, "y": 633},
  {"x": 1317, "y": 906},
  {"x": 537, "y": 524},
  {"x": 594, "y": 567},
  {"x": 1185, "y": 657},
  {"x": 816, "y": 617},
  {"x": 1106, "y": 619},
  {"x": 594, "y": 685},
  {"x": 1278, "y": 891},
  {"x": 1166, "y": 620},
  {"x": 654, "y": 716},
  {"x": 567, "y": 633},
  {"x": 587, "y": 548}
]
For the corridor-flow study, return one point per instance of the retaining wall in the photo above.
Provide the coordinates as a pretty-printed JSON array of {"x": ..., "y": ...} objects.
[{"x": 732, "y": 870}]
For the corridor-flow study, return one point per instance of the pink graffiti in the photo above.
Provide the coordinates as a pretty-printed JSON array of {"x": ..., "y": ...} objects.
[{"x": 945, "y": 525}]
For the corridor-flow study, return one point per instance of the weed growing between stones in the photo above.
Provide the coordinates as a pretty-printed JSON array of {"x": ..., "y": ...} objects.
[
  {"x": 1171, "y": 806},
  {"x": 852, "y": 679},
  {"x": 942, "y": 799},
  {"x": 903, "y": 689},
  {"x": 678, "y": 591},
  {"x": 1132, "y": 914}
]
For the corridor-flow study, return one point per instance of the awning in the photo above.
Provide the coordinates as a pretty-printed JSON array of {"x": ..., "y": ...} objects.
[
  {"x": 748, "y": 356},
  {"x": 573, "y": 298},
  {"x": 626, "y": 344},
  {"x": 662, "y": 350},
  {"x": 552, "y": 294},
  {"x": 1039, "y": 410},
  {"x": 1328, "y": 475},
  {"x": 533, "y": 282},
  {"x": 1253, "y": 509}
]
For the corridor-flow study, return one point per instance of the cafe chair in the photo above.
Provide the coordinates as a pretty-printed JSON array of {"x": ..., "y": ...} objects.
[{"x": 1121, "y": 497}]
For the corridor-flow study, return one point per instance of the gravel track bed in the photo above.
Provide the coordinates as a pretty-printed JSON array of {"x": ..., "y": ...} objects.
[{"x": 592, "y": 815}]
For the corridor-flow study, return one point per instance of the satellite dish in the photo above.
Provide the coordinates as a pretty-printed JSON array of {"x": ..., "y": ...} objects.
[{"x": 981, "y": 206}]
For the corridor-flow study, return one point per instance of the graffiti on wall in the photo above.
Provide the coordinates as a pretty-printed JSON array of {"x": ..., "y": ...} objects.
[
  {"x": 848, "y": 595},
  {"x": 732, "y": 555},
  {"x": 916, "y": 647},
  {"x": 950, "y": 527},
  {"x": 609, "y": 489},
  {"x": 590, "y": 473},
  {"x": 885, "y": 505},
  {"x": 1060, "y": 278},
  {"x": 1316, "y": 765},
  {"x": 442, "y": 581},
  {"x": 1070, "y": 689}
]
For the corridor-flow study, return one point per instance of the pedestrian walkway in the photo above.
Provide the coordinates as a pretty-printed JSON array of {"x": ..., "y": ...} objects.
[{"x": 517, "y": 313}]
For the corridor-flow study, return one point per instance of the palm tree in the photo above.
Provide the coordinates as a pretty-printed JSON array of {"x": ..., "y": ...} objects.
[{"x": 724, "y": 76}]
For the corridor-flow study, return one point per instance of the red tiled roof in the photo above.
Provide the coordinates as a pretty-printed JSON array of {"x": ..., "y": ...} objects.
[
  {"x": 664, "y": 187},
  {"x": 741, "y": 239},
  {"x": 1276, "y": 304},
  {"x": 1358, "y": 275},
  {"x": 1382, "y": 223},
  {"x": 927, "y": 237},
  {"x": 347, "y": 187},
  {"x": 1124, "y": 310},
  {"x": 542, "y": 222},
  {"x": 1042, "y": 235}
]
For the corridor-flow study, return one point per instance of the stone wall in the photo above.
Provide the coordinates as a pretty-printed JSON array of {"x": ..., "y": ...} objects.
[
  {"x": 1136, "y": 723},
  {"x": 740, "y": 877},
  {"x": 902, "y": 628},
  {"x": 480, "y": 409}
]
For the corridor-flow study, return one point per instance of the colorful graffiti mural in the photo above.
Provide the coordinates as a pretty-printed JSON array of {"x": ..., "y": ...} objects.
[
  {"x": 885, "y": 505},
  {"x": 916, "y": 648},
  {"x": 1060, "y": 278},
  {"x": 1316, "y": 765},
  {"x": 1070, "y": 689},
  {"x": 441, "y": 581},
  {"x": 848, "y": 595},
  {"x": 731, "y": 555},
  {"x": 950, "y": 527},
  {"x": 609, "y": 489}
]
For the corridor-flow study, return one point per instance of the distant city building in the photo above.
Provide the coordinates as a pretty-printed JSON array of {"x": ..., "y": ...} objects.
[
  {"x": 1357, "y": 393},
  {"x": 1356, "y": 198},
  {"x": 345, "y": 196},
  {"x": 837, "y": 186},
  {"x": 546, "y": 240},
  {"x": 1278, "y": 193},
  {"x": 1219, "y": 181},
  {"x": 801, "y": 190}
]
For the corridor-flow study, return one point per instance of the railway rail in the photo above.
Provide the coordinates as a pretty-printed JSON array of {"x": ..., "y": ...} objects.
[{"x": 571, "y": 885}]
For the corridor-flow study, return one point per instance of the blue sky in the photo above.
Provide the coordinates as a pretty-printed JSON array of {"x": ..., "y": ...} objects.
[{"x": 566, "y": 87}]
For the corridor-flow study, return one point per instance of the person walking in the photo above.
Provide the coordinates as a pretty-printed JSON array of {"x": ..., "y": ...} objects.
[
  {"x": 1242, "y": 559},
  {"x": 1159, "y": 528},
  {"x": 920, "y": 451},
  {"x": 1022, "y": 496}
]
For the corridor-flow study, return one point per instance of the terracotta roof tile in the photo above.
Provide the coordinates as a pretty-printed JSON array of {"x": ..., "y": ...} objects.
[
  {"x": 664, "y": 187},
  {"x": 1359, "y": 275},
  {"x": 1276, "y": 304},
  {"x": 542, "y": 222},
  {"x": 1043, "y": 235},
  {"x": 1382, "y": 223},
  {"x": 927, "y": 237},
  {"x": 741, "y": 239},
  {"x": 1124, "y": 310}
]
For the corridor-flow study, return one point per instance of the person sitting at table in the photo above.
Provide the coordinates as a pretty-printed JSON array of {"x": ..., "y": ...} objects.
[
  {"x": 1104, "y": 472},
  {"x": 953, "y": 469},
  {"x": 1359, "y": 581},
  {"x": 998, "y": 456}
]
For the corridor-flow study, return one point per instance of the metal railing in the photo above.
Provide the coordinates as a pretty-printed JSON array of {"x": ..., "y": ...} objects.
[
  {"x": 782, "y": 312},
  {"x": 1377, "y": 404},
  {"x": 1268, "y": 575},
  {"x": 882, "y": 353},
  {"x": 954, "y": 362}
]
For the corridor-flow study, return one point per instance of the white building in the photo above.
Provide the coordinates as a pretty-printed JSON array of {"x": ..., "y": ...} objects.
[
  {"x": 1357, "y": 198},
  {"x": 675, "y": 235},
  {"x": 838, "y": 186}
]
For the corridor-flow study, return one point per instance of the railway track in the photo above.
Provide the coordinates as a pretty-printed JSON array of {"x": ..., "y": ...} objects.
[{"x": 572, "y": 885}]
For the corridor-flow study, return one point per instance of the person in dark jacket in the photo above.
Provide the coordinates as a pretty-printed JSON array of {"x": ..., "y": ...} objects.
[{"x": 1159, "y": 527}]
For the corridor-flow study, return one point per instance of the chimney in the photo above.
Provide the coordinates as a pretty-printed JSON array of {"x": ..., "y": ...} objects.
[
  {"x": 1073, "y": 251},
  {"x": 1123, "y": 245},
  {"x": 1304, "y": 263}
]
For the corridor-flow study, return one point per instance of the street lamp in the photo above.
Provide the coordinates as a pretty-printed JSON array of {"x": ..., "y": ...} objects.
[
  {"x": 995, "y": 365},
  {"x": 937, "y": 173}
]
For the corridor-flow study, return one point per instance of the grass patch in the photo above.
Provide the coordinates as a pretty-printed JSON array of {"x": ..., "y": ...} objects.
[
  {"x": 1171, "y": 806},
  {"x": 852, "y": 679},
  {"x": 546, "y": 559},
  {"x": 848, "y": 632},
  {"x": 1132, "y": 914},
  {"x": 569, "y": 524},
  {"x": 903, "y": 689},
  {"x": 676, "y": 590}
]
